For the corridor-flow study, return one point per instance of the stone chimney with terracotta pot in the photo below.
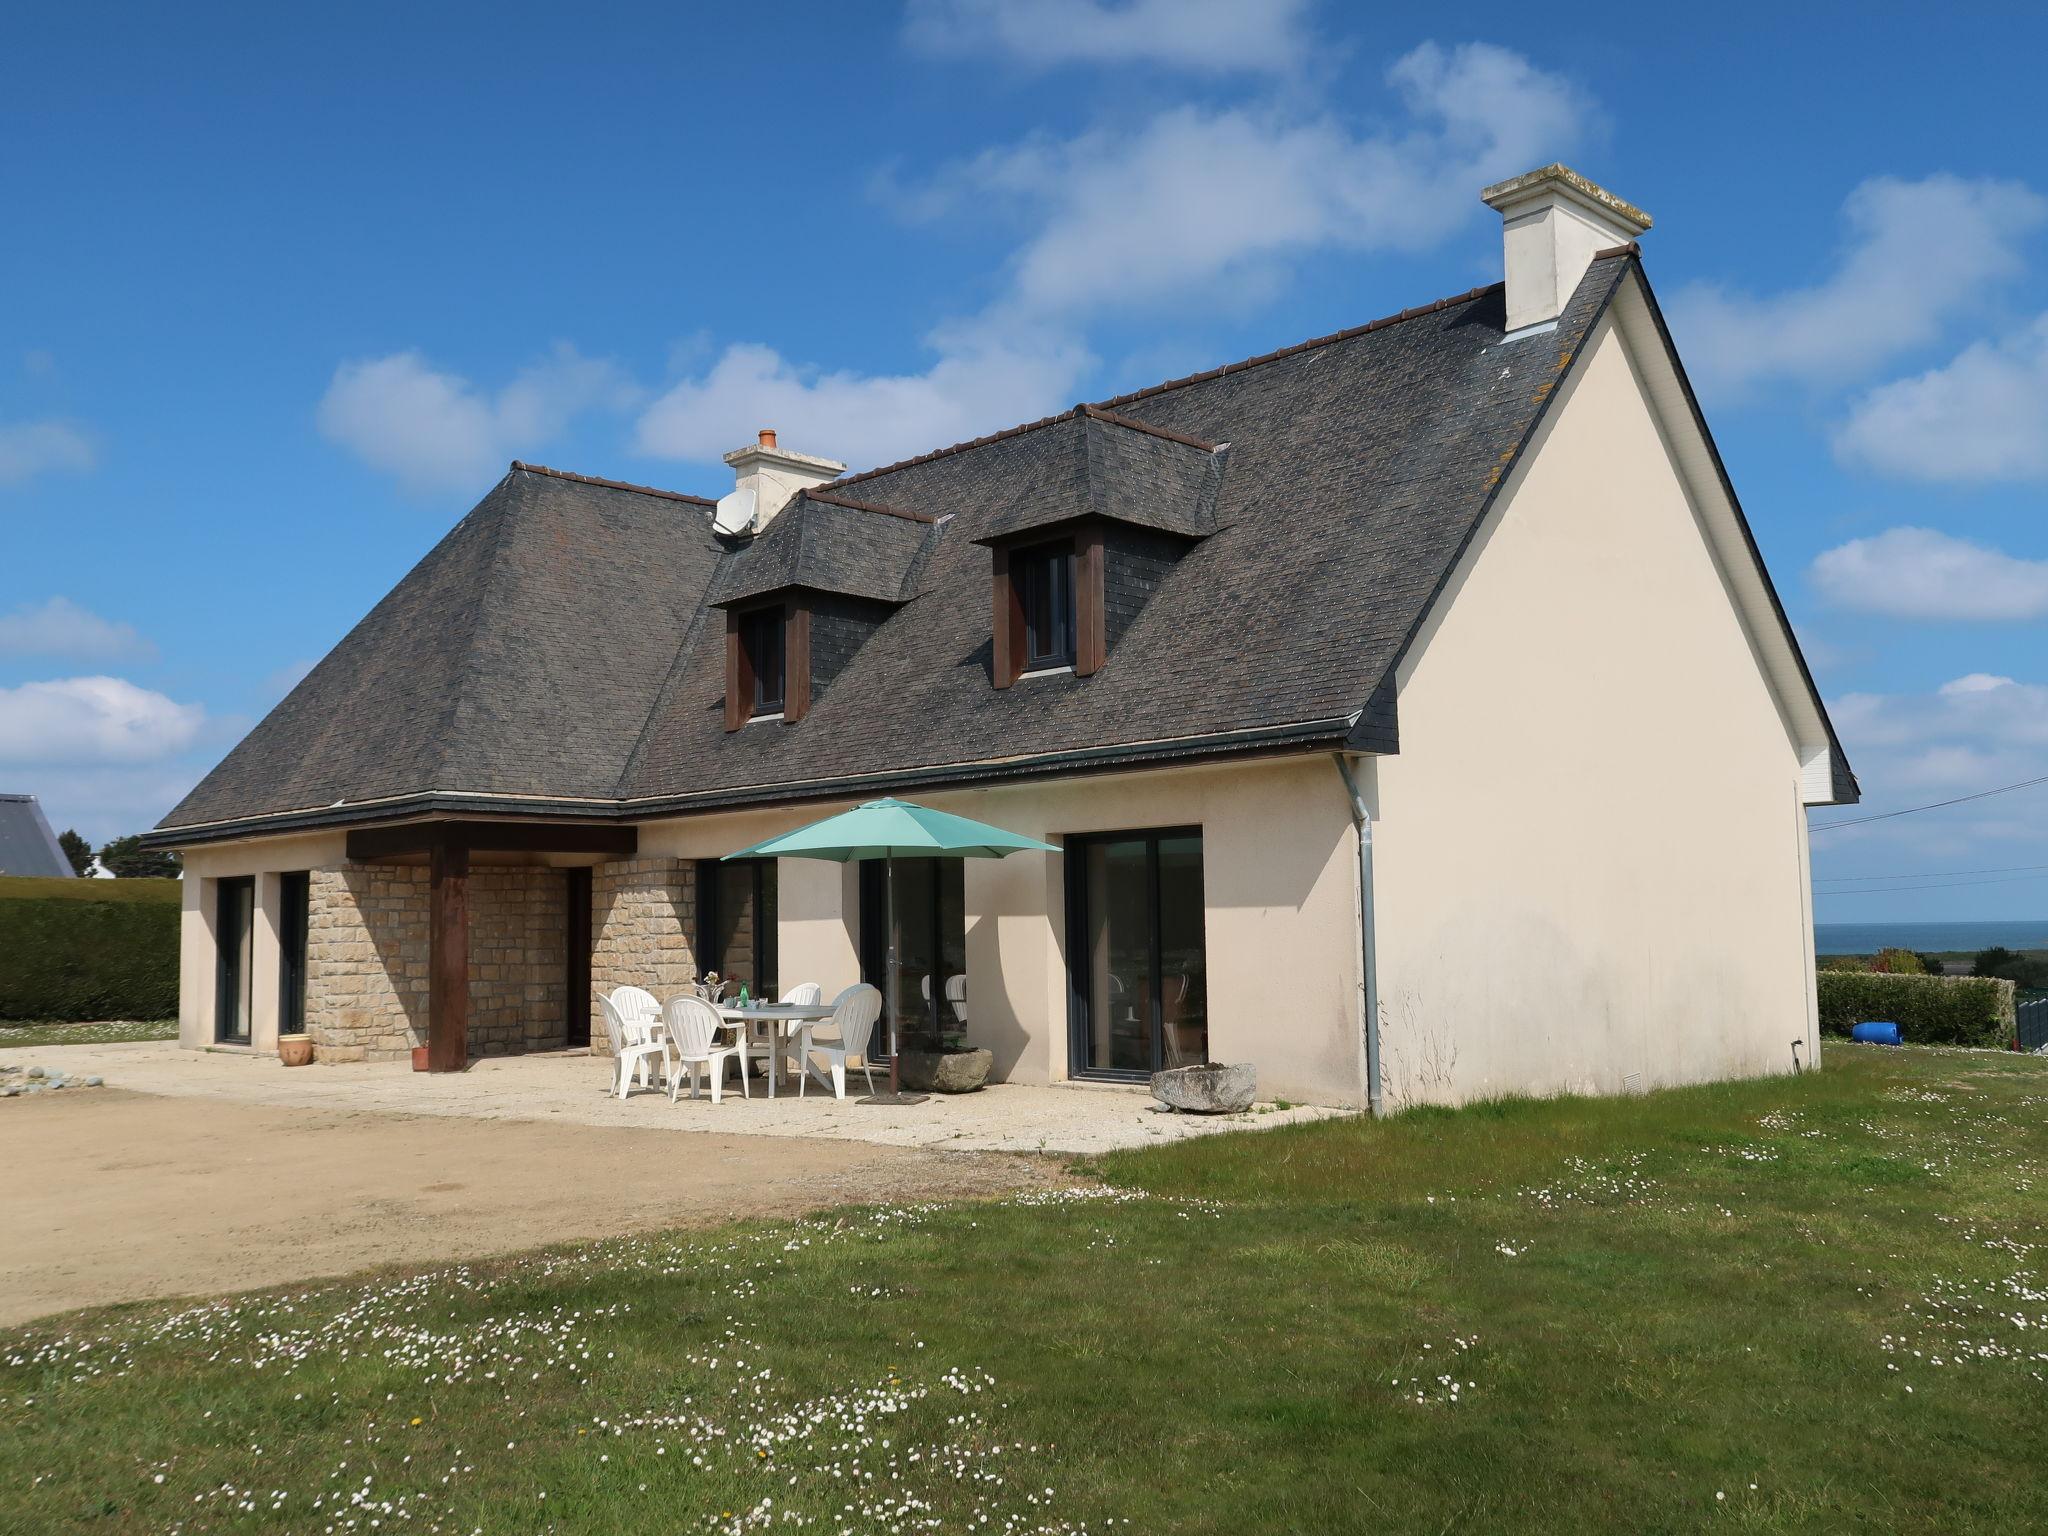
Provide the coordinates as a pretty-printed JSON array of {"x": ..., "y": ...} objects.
[
  {"x": 1553, "y": 223},
  {"x": 765, "y": 477}
]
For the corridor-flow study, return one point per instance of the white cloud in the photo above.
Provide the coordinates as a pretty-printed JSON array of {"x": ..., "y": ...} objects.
[
  {"x": 93, "y": 720},
  {"x": 60, "y": 627},
  {"x": 1973, "y": 732},
  {"x": 1919, "y": 253},
  {"x": 1981, "y": 417},
  {"x": 976, "y": 385},
  {"x": 1194, "y": 204},
  {"x": 1921, "y": 573},
  {"x": 31, "y": 448},
  {"x": 1206, "y": 36},
  {"x": 438, "y": 432}
]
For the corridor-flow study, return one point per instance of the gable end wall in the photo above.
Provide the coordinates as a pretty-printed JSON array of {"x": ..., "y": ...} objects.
[{"x": 1590, "y": 849}]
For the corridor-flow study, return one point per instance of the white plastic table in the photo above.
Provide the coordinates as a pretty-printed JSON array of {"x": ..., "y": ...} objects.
[{"x": 785, "y": 1019}]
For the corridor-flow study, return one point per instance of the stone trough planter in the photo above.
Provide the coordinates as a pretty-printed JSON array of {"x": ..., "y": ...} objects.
[
  {"x": 1214, "y": 1089},
  {"x": 950, "y": 1069}
]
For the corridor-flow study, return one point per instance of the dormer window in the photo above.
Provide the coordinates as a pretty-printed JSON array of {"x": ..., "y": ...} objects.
[
  {"x": 763, "y": 651},
  {"x": 1045, "y": 591},
  {"x": 767, "y": 663}
]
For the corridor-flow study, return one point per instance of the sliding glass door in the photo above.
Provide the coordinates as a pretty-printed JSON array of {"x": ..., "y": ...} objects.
[
  {"x": 234, "y": 927},
  {"x": 922, "y": 913},
  {"x": 1138, "y": 992}
]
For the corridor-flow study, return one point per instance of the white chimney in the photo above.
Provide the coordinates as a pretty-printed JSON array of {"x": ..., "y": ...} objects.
[
  {"x": 1554, "y": 222},
  {"x": 765, "y": 478}
]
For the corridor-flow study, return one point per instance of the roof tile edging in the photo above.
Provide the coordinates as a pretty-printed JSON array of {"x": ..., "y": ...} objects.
[
  {"x": 1348, "y": 334},
  {"x": 612, "y": 485}
]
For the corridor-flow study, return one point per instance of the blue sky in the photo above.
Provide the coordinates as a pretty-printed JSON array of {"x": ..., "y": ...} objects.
[{"x": 283, "y": 296}]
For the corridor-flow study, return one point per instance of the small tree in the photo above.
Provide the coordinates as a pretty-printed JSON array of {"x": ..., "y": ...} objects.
[
  {"x": 77, "y": 850},
  {"x": 1897, "y": 962},
  {"x": 127, "y": 858}
]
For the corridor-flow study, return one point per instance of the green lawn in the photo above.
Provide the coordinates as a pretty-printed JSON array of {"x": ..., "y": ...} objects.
[
  {"x": 1809, "y": 1304},
  {"x": 20, "y": 1032}
]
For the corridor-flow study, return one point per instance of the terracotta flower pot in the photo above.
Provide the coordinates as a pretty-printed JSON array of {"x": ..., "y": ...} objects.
[
  {"x": 295, "y": 1050},
  {"x": 419, "y": 1058}
]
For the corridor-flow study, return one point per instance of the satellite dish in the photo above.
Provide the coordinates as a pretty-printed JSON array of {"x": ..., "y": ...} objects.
[{"x": 735, "y": 511}]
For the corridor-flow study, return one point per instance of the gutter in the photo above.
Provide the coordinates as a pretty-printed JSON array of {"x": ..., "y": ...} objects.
[
  {"x": 1368, "y": 959},
  {"x": 1306, "y": 735}
]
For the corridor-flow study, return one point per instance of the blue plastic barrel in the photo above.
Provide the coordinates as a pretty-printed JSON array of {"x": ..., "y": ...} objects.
[{"x": 1877, "y": 1034}]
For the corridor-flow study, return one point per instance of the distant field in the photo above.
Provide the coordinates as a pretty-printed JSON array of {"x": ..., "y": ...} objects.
[{"x": 1806, "y": 1304}]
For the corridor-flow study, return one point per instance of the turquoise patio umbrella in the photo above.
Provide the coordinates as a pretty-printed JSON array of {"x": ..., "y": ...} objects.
[{"x": 890, "y": 830}]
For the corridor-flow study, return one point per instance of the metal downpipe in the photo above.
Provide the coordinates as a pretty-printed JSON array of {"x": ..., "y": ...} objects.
[{"x": 1368, "y": 959}]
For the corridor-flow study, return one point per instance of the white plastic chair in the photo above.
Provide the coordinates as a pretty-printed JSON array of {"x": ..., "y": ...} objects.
[
  {"x": 692, "y": 1027},
  {"x": 854, "y": 1012},
  {"x": 956, "y": 996},
  {"x": 765, "y": 1035},
  {"x": 634, "y": 1045},
  {"x": 636, "y": 1005}
]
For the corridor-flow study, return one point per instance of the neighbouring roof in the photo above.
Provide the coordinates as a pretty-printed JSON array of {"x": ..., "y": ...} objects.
[
  {"x": 27, "y": 845},
  {"x": 563, "y": 644}
]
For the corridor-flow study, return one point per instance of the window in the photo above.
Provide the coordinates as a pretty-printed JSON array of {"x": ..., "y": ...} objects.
[
  {"x": 234, "y": 926},
  {"x": 294, "y": 893},
  {"x": 1045, "y": 592},
  {"x": 761, "y": 640},
  {"x": 1138, "y": 992},
  {"x": 736, "y": 923}
]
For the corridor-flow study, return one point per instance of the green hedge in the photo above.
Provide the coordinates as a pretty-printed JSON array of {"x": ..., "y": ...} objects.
[
  {"x": 1929, "y": 1010},
  {"x": 88, "y": 949}
]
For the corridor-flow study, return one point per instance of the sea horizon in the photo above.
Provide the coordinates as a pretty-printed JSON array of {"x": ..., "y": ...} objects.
[{"x": 1868, "y": 937}]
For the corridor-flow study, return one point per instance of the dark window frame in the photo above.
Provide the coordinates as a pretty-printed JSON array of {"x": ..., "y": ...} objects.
[
  {"x": 1074, "y": 856},
  {"x": 1045, "y": 577},
  {"x": 294, "y": 909},
  {"x": 233, "y": 970},
  {"x": 764, "y": 637}
]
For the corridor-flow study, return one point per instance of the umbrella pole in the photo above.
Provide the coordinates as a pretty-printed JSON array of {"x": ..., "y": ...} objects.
[{"x": 893, "y": 972}]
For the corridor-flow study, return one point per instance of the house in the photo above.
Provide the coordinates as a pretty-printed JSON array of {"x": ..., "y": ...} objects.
[
  {"x": 1412, "y": 706},
  {"x": 27, "y": 845}
]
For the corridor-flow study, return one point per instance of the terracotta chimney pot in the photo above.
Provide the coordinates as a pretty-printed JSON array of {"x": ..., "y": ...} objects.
[{"x": 767, "y": 437}]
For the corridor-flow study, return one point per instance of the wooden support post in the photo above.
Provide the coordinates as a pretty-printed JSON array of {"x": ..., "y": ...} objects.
[{"x": 448, "y": 959}]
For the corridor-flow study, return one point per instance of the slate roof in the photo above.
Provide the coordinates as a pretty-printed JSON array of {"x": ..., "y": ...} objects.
[
  {"x": 562, "y": 642},
  {"x": 1096, "y": 463},
  {"x": 27, "y": 845},
  {"x": 829, "y": 543}
]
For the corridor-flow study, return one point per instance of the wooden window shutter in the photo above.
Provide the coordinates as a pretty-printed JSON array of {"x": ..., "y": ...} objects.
[
  {"x": 1008, "y": 622},
  {"x": 1091, "y": 624},
  {"x": 796, "y": 661},
  {"x": 739, "y": 676}
]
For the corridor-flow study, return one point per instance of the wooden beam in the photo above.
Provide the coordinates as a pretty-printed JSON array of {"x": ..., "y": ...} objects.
[
  {"x": 796, "y": 662},
  {"x": 1007, "y": 622},
  {"x": 367, "y": 845},
  {"x": 1091, "y": 620},
  {"x": 739, "y": 677},
  {"x": 448, "y": 960}
]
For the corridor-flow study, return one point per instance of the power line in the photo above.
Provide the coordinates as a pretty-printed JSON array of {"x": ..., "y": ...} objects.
[
  {"x": 1982, "y": 794},
  {"x": 1930, "y": 874},
  {"x": 1943, "y": 885}
]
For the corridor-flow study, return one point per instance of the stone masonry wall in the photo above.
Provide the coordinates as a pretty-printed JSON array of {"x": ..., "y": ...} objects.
[
  {"x": 518, "y": 966},
  {"x": 367, "y": 953},
  {"x": 643, "y": 915},
  {"x": 366, "y": 961}
]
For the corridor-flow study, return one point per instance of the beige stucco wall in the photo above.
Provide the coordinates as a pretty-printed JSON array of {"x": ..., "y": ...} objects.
[
  {"x": 265, "y": 858},
  {"x": 1279, "y": 885},
  {"x": 1589, "y": 852}
]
